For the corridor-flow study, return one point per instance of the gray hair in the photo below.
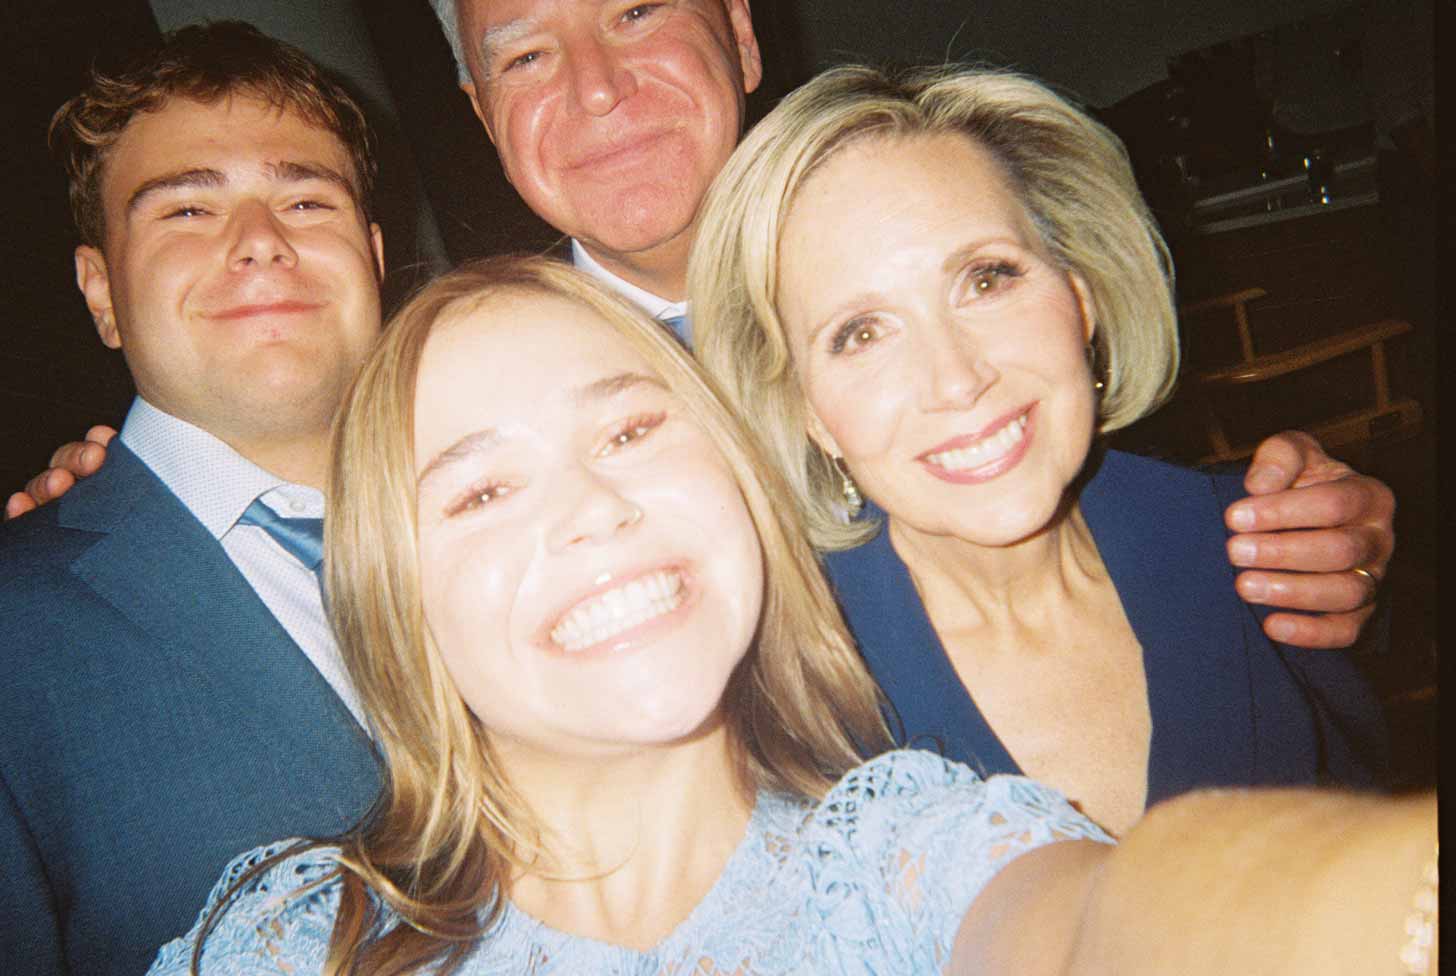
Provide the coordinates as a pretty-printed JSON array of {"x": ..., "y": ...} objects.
[{"x": 448, "y": 13}]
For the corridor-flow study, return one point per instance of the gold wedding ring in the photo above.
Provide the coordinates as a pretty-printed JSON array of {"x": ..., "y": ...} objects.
[{"x": 1358, "y": 571}]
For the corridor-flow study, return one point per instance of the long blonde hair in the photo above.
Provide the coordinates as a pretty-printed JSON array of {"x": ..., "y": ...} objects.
[
  {"x": 439, "y": 843},
  {"x": 1070, "y": 173}
]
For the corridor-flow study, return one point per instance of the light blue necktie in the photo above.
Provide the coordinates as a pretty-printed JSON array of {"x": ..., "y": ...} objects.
[
  {"x": 680, "y": 325},
  {"x": 303, "y": 538}
]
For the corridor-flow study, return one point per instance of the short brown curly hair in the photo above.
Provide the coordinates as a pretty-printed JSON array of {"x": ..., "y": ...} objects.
[{"x": 205, "y": 63}]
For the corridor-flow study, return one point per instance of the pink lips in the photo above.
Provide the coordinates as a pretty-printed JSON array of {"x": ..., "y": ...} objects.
[
  {"x": 993, "y": 468},
  {"x": 617, "y": 152},
  {"x": 239, "y": 312}
]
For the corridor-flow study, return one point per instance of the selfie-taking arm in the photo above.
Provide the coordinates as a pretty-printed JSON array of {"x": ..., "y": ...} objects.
[{"x": 1283, "y": 882}]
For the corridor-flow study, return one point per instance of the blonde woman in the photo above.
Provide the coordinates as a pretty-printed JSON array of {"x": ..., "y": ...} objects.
[
  {"x": 621, "y": 719},
  {"x": 934, "y": 291}
]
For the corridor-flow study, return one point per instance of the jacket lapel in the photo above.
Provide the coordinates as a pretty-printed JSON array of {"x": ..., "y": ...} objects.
[{"x": 158, "y": 566}]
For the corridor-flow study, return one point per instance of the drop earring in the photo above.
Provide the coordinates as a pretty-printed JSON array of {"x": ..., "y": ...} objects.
[{"x": 852, "y": 500}]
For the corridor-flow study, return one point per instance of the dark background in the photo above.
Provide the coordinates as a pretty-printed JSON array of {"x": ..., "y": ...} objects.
[{"x": 443, "y": 198}]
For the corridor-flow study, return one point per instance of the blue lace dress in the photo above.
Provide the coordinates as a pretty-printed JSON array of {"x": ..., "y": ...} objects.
[{"x": 874, "y": 879}]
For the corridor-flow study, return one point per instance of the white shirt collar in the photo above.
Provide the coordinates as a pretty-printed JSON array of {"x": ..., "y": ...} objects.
[
  {"x": 658, "y": 308},
  {"x": 215, "y": 482}
]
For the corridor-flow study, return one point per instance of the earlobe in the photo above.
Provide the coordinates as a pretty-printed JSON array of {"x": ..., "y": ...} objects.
[
  {"x": 94, "y": 281},
  {"x": 820, "y": 435}
]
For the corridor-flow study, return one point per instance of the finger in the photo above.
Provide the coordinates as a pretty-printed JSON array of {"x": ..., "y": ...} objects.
[
  {"x": 18, "y": 504},
  {"x": 80, "y": 458},
  {"x": 100, "y": 434},
  {"x": 1320, "y": 592},
  {"x": 1314, "y": 506},
  {"x": 1330, "y": 631},
  {"x": 49, "y": 485},
  {"x": 1309, "y": 550},
  {"x": 1279, "y": 460}
]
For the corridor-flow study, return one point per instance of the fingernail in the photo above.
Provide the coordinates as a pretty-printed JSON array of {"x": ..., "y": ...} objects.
[
  {"x": 1243, "y": 552},
  {"x": 1241, "y": 518},
  {"x": 1280, "y": 629},
  {"x": 1254, "y": 589}
]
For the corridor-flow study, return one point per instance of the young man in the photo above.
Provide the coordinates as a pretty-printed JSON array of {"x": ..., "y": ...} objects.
[{"x": 173, "y": 694}]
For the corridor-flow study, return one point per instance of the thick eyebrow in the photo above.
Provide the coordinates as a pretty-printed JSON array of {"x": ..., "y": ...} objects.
[
  {"x": 502, "y": 34},
  {"x": 181, "y": 179},
  {"x": 610, "y": 386},
  {"x": 487, "y": 437},
  {"x": 283, "y": 171},
  {"x": 478, "y": 440},
  {"x": 292, "y": 171}
]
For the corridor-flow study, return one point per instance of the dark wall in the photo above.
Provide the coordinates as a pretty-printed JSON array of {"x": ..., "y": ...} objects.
[{"x": 56, "y": 378}]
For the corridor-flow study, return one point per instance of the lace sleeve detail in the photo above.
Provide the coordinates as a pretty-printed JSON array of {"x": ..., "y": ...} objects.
[
  {"x": 903, "y": 844},
  {"x": 278, "y": 924}
]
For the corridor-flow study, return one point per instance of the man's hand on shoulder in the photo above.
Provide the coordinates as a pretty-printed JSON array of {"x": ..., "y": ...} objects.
[
  {"x": 78, "y": 459},
  {"x": 1313, "y": 535}
]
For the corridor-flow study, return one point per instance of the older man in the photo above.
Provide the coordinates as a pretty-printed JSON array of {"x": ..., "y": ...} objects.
[{"x": 611, "y": 119}]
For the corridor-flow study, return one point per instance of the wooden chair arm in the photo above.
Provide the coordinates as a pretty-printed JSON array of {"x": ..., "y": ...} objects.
[
  {"x": 1267, "y": 367},
  {"x": 1224, "y": 301}
]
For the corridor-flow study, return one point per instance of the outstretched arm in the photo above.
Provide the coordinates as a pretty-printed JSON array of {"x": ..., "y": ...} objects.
[
  {"x": 1277, "y": 881},
  {"x": 1308, "y": 524},
  {"x": 78, "y": 459}
]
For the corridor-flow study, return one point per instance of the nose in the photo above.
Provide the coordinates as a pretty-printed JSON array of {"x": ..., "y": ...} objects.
[
  {"x": 954, "y": 368},
  {"x": 599, "y": 79},
  {"x": 258, "y": 238},
  {"x": 592, "y": 510}
]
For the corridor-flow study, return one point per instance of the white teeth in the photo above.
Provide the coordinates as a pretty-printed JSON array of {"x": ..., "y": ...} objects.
[
  {"x": 608, "y": 614},
  {"x": 983, "y": 451}
]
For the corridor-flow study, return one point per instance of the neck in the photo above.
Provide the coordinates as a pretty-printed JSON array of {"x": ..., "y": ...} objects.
[
  {"x": 302, "y": 460},
  {"x": 966, "y": 586},
  {"x": 634, "y": 841},
  {"x": 661, "y": 270}
]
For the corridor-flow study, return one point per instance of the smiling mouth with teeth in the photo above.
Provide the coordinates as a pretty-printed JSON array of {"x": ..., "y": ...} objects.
[
  {"x": 984, "y": 451},
  {"x": 618, "y": 610}
]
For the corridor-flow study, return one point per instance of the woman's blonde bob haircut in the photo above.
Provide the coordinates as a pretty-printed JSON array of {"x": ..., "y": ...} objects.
[
  {"x": 448, "y": 828},
  {"x": 1070, "y": 173}
]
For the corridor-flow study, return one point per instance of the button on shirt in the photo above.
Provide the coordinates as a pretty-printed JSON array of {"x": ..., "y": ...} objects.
[{"x": 217, "y": 485}]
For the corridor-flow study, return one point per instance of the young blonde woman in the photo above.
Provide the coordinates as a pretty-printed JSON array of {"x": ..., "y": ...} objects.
[{"x": 622, "y": 722}]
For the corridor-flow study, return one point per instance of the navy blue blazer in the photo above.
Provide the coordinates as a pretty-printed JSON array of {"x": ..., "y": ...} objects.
[
  {"x": 155, "y": 720},
  {"x": 1229, "y": 706}
]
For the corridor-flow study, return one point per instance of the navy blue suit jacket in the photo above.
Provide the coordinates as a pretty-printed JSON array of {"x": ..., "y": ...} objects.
[
  {"x": 155, "y": 720},
  {"x": 1229, "y": 706}
]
